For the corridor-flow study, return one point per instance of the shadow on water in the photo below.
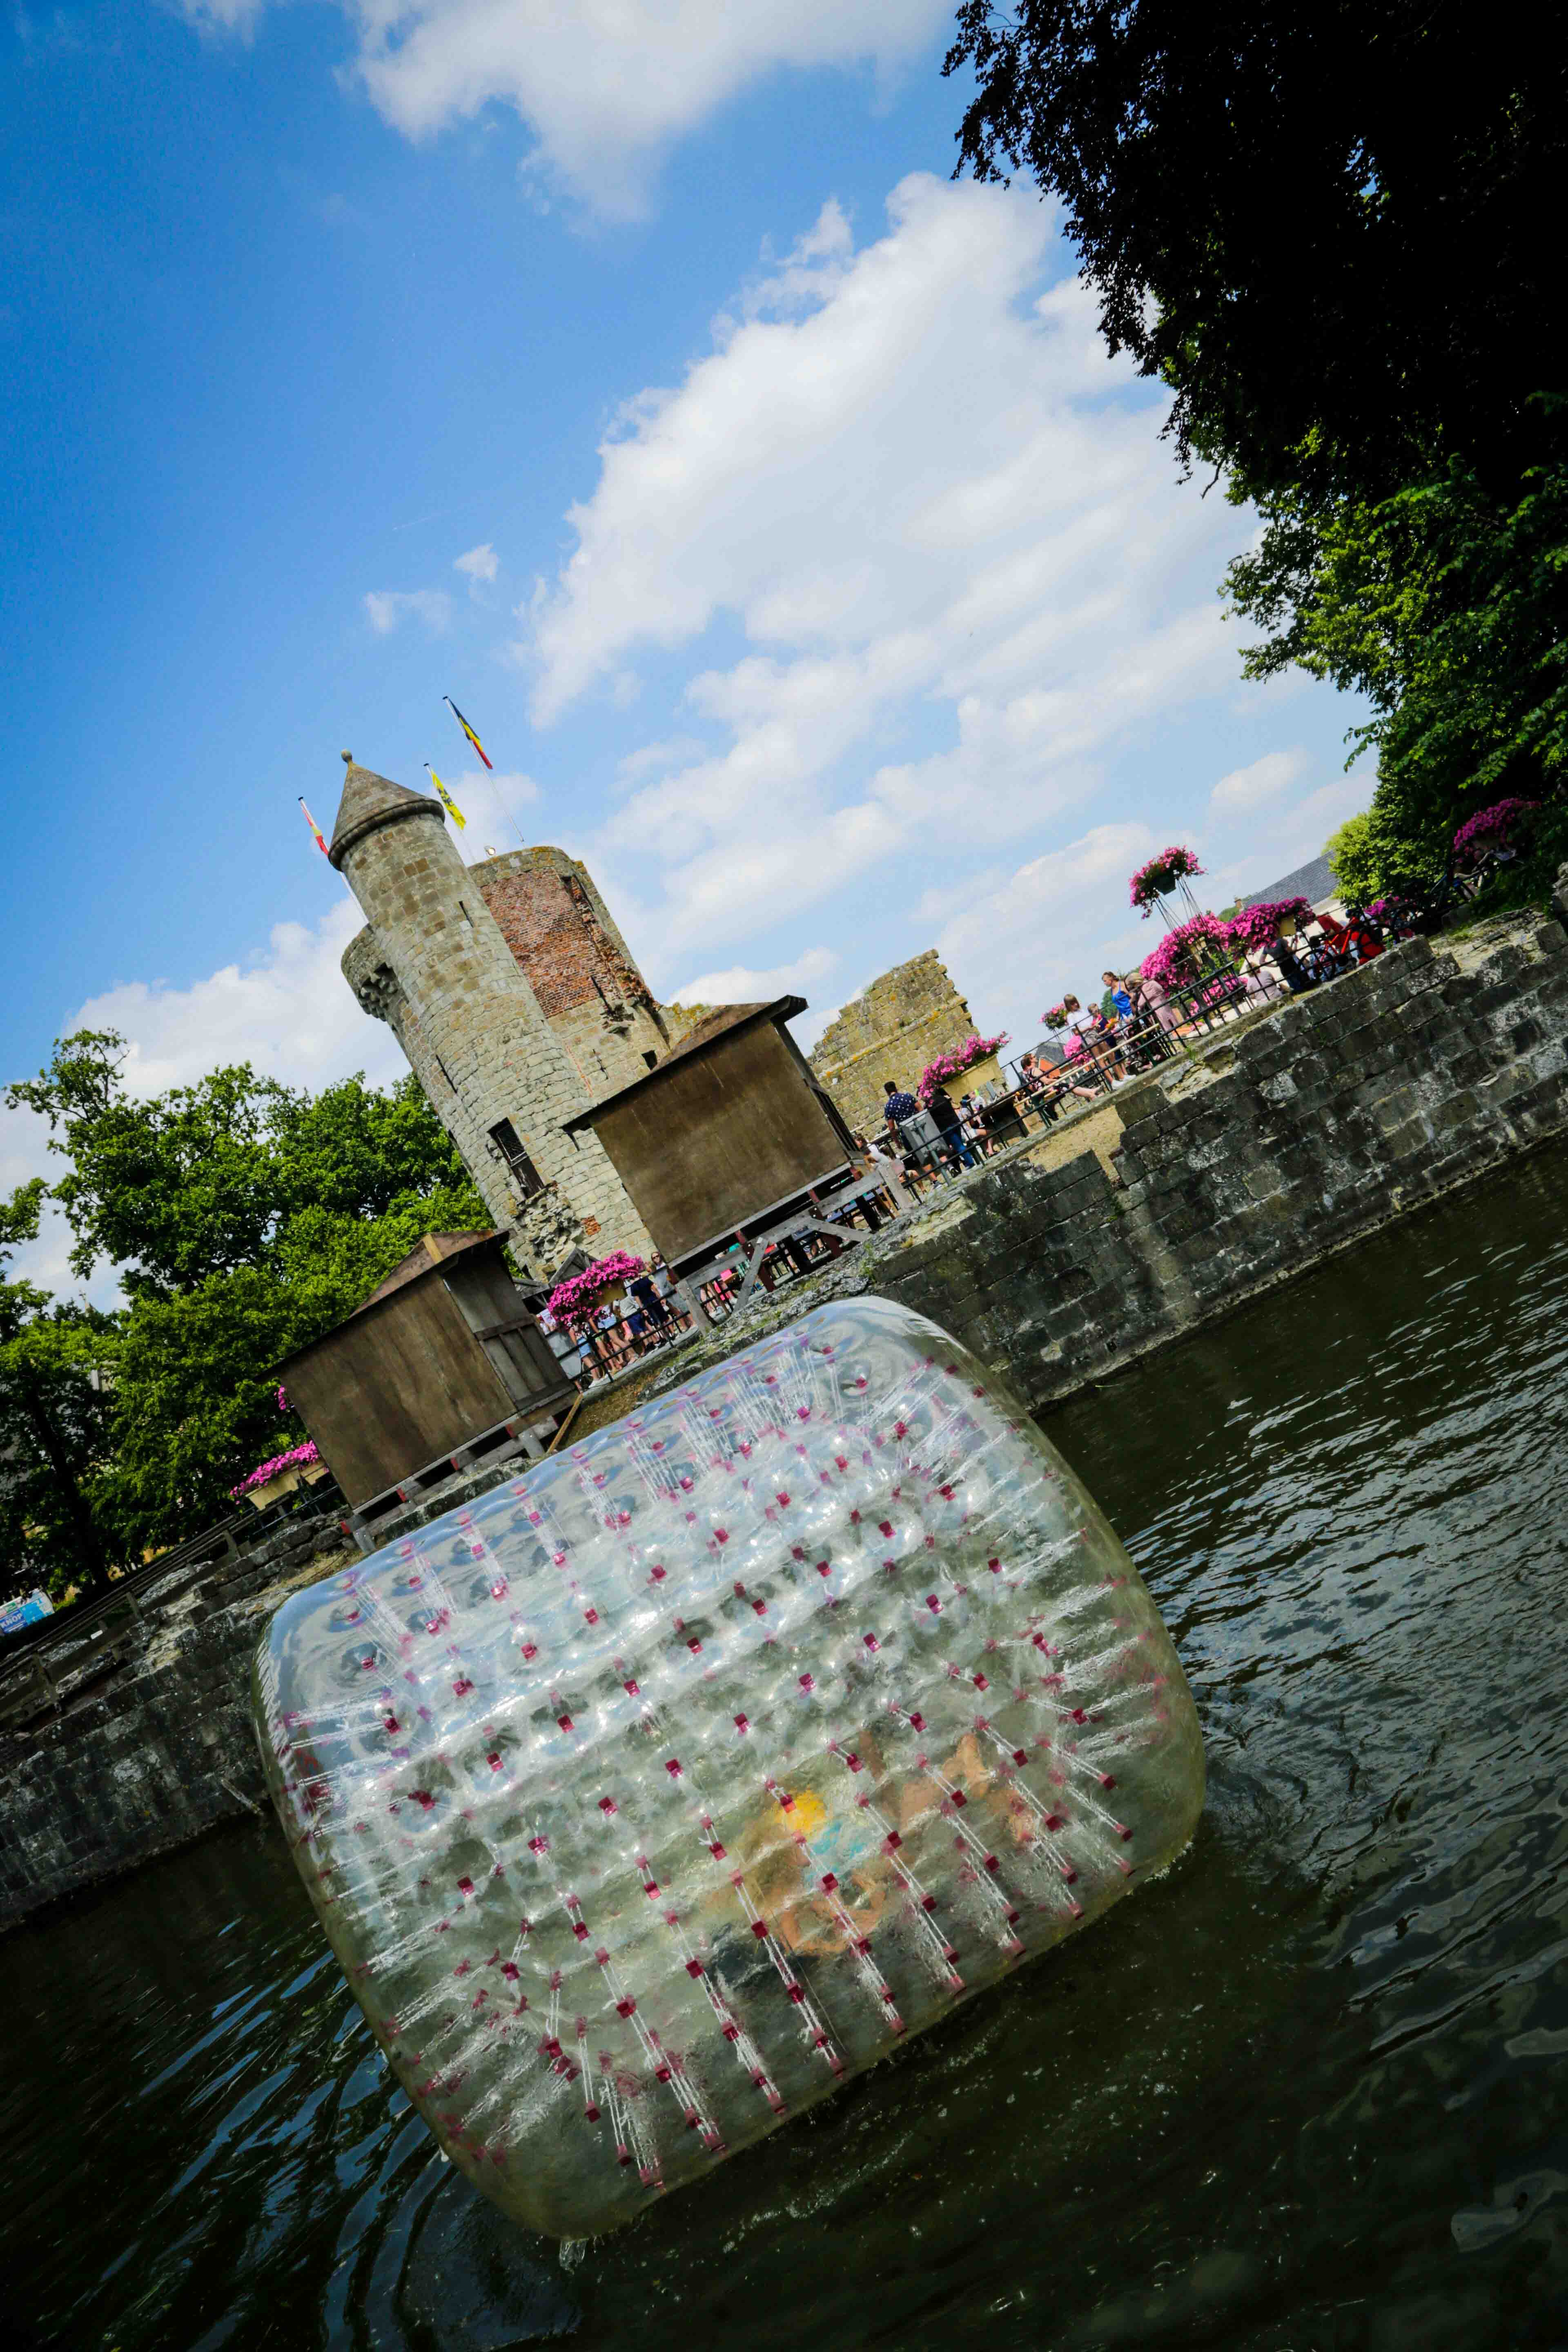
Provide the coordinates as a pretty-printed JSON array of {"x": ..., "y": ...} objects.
[{"x": 1306, "y": 2092}]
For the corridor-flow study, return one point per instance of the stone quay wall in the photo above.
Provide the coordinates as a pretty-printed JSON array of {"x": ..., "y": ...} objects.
[
  {"x": 1282, "y": 1141},
  {"x": 147, "y": 1753},
  {"x": 890, "y": 1031}
]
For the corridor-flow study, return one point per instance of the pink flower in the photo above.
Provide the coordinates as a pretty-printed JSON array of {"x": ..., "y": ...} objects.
[
  {"x": 1184, "y": 954},
  {"x": 574, "y": 1298},
  {"x": 1255, "y": 926},
  {"x": 1160, "y": 875},
  {"x": 1490, "y": 829},
  {"x": 952, "y": 1066},
  {"x": 296, "y": 1457}
]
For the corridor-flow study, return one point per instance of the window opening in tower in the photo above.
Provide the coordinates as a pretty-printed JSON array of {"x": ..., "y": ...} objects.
[{"x": 511, "y": 1146}]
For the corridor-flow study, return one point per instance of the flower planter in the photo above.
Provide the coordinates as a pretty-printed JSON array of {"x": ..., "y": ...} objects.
[
  {"x": 984, "y": 1073},
  {"x": 286, "y": 1482}
]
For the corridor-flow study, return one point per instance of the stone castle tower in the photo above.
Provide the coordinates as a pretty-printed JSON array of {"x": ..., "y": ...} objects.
[{"x": 517, "y": 1002}]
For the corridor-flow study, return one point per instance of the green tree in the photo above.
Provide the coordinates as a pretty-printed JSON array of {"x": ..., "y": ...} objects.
[
  {"x": 245, "y": 1218},
  {"x": 205, "y": 1178},
  {"x": 1319, "y": 223},
  {"x": 54, "y": 1436},
  {"x": 1446, "y": 607}
]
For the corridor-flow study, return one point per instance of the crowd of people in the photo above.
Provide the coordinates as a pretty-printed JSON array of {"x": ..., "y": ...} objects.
[
  {"x": 647, "y": 1315},
  {"x": 1136, "y": 1021}
]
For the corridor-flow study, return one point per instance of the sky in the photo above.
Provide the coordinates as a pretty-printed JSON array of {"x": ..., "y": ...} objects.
[{"x": 635, "y": 373}]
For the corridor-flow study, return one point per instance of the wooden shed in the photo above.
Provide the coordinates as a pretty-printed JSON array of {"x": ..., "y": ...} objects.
[
  {"x": 730, "y": 1130},
  {"x": 442, "y": 1361}
]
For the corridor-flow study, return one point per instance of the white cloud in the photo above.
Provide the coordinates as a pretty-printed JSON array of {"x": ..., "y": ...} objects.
[
  {"x": 965, "y": 568},
  {"x": 1254, "y": 786},
  {"x": 480, "y": 564},
  {"x": 385, "y": 608},
  {"x": 1291, "y": 836},
  {"x": 739, "y": 984},
  {"x": 291, "y": 1014},
  {"x": 605, "y": 86},
  {"x": 1012, "y": 950}
]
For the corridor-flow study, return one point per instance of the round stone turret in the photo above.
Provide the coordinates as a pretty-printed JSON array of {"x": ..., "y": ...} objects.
[{"x": 370, "y": 803}]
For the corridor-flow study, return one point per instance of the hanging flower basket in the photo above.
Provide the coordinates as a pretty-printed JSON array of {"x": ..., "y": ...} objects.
[
  {"x": 570, "y": 1301},
  {"x": 963, "y": 1057},
  {"x": 1057, "y": 1017},
  {"x": 1160, "y": 877},
  {"x": 1255, "y": 927},
  {"x": 1190, "y": 953},
  {"x": 1501, "y": 826}
]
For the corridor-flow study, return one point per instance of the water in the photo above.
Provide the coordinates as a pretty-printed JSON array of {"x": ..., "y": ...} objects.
[{"x": 1308, "y": 2093}]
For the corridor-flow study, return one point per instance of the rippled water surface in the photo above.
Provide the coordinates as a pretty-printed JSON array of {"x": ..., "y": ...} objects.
[{"x": 1311, "y": 2091}]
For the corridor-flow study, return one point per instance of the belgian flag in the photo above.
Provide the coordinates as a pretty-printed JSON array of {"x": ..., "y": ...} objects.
[{"x": 467, "y": 728}]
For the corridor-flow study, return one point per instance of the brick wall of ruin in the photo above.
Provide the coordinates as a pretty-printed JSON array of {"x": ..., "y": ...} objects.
[{"x": 570, "y": 952}]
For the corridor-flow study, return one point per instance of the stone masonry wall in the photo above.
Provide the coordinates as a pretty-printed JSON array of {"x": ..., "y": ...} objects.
[
  {"x": 890, "y": 1031},
  {"x": 161, "y": 1748},
  {"x": 380, "y": 994},
  {"x": 569, "y": 949}
]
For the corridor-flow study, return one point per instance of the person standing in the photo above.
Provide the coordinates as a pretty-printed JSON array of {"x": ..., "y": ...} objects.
[
  {"x": 655, "y": 1314},
  {"x": 899, "y": 1106},
  {"x": 912, "y": 1130},
  {"x": 945, "y": 1110}
]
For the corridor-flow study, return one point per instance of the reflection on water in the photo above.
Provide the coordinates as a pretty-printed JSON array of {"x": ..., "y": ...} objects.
[{"x": 1308, "y": 2092}]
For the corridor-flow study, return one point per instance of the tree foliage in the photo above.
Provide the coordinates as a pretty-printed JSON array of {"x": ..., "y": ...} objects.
[
  {"x": 207, "y": 1179},
  {"x": 1446, "y": 607},
  {"x": 1322, "y": 226},
  {"x": 245, "y": 1218},
  {"x": 53, "y": 1421},
  {"x": 1319, "y": 221}
]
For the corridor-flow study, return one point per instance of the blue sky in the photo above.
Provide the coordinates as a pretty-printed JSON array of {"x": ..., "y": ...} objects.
[{"x": 635, "y": 374}]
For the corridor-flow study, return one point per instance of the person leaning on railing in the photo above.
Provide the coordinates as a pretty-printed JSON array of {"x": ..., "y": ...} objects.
[{"x": 1081, "y": 1049}]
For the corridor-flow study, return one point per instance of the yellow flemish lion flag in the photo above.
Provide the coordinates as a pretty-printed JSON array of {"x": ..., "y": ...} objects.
[
  {"x": 447, "y": 802},
  {"x": 467, "y": 728}
]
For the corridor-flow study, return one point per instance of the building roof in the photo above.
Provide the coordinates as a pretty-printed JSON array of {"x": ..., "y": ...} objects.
[
  {"x": 1314, "y": 883},
  {"x": 721, "y": 1023},
  {"x": 436, "y": 1249},
  {"x": 371, "y": 800}
]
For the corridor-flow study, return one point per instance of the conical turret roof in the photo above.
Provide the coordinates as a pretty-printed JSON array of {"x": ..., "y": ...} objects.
[{"x": 371, "y": 800}]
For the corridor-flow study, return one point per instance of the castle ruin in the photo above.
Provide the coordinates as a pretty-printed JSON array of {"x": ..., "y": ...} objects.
[
  {"x": 517, "y": 1003},
  {"x": 891, "y": 1030}
]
